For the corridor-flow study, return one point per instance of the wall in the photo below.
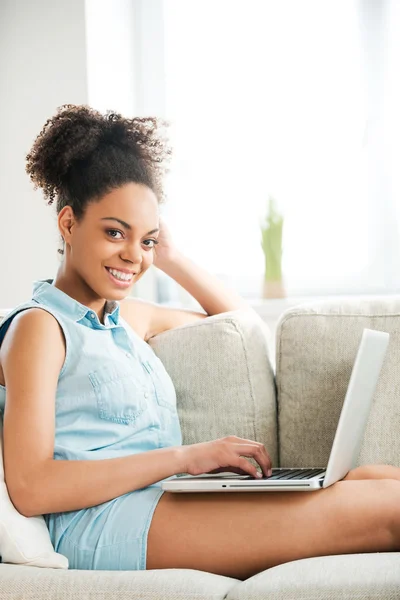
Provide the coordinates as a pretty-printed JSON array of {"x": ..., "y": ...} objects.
[
  {"x": 42, "y": 65},
  {"x": 54, "y": 52},
  {"x": 117, "y": 57}
]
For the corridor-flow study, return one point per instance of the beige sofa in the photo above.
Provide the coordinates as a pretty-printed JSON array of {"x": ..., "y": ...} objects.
[{"x": 225, "y": 384}]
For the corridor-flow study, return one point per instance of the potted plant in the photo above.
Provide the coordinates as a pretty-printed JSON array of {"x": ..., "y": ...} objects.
[{"x": 271, "y": 243}]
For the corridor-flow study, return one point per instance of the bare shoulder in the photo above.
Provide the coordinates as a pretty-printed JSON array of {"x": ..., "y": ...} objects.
[
  {"x": 35, "y": 332},
  {"x": 32, "y": 321},
  {"x": 149, "y": 319}
]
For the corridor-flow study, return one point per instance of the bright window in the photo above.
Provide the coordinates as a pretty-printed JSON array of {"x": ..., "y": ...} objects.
[{"x": 282, "y": 98}]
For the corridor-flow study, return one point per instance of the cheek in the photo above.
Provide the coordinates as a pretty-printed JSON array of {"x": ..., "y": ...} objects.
[
  {"x": 82, "y": 250},
  {"x": 90, "y": 258},
  {"x": 87, "y": 244},
  {"x": 148, "y": 259}
]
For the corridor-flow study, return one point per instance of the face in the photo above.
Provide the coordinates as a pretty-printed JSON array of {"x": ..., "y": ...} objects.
[{"x": 112, "y": 246}]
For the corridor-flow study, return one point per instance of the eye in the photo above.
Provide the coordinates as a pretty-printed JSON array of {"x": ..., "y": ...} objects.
[
  {"x": 155, "y": 242},
  {"x": 113, "y": 233}
]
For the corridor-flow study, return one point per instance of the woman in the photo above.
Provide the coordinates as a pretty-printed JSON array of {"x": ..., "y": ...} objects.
[{"x": 91, "y": 428}]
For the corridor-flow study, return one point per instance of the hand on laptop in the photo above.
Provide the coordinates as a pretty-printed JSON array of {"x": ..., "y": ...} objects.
[{"x": 225, "y": 454}]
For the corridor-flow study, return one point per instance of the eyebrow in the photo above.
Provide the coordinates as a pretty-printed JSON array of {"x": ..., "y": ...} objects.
[{"x": 126, "y": 225}]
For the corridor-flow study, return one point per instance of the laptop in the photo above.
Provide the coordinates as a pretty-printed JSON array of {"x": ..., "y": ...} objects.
[{"x": 346, "y": 444}]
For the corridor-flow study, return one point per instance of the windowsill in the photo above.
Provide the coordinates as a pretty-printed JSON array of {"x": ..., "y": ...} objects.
[{"x": 273, "y": 307}]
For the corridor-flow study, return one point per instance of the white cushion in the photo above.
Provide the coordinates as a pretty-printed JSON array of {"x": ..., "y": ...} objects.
[{"x": 24, "y": 540}]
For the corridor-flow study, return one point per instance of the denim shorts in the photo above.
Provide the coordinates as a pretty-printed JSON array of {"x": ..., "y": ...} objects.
[{"x": 111, "y": 536}]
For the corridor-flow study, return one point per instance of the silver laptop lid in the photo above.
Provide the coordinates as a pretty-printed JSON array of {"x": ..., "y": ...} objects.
[{"x": 356, "y": 407}]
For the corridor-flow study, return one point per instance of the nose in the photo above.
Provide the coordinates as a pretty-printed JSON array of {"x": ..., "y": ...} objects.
[{"x": 132, "y": 253}]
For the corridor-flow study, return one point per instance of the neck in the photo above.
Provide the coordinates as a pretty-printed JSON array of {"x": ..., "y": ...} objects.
[{"x": 74, "y": 286}]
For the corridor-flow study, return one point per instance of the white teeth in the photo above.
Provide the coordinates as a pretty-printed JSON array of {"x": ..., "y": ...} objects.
[{"x": 120, "y": 275}]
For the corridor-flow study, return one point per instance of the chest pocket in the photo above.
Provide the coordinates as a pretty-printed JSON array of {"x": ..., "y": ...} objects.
[
  {"x": 121, "y": 393},
  {"x": 164, "y": 387}
]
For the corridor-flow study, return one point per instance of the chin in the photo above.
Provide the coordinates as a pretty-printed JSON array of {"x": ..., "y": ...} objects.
[
  {"x": 118, "y": 295},
  {"x": 112, "y": 291}
]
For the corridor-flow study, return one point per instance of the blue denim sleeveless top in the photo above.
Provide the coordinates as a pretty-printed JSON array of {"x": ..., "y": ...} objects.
[{"x": 114, "y": 396}]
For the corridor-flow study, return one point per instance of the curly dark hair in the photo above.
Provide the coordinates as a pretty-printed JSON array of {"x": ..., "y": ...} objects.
[{"x": 80, "y": 155}]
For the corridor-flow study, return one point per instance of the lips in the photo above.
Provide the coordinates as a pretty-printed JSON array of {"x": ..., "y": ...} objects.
[
  {"x": 121, "y": 283},
  {"x": 126, "y": 271}
]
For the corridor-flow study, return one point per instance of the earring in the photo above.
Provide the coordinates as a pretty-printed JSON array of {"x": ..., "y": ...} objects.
[{"x": 61, "y": 250}]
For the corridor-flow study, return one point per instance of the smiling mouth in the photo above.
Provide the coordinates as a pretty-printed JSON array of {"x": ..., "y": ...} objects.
[{"x": 120, "y": 276}]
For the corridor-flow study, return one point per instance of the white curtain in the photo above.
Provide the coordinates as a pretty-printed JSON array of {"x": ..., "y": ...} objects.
[{"x": 294, "y": 99}]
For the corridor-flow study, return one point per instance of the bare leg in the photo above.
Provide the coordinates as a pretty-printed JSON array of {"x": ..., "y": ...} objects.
[
  {"x": 374, "y": 472},
  {"x": 240, "y": 534}
]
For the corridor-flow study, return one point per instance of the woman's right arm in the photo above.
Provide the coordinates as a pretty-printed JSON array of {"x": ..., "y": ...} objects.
[{"x": 32, "y": 355}]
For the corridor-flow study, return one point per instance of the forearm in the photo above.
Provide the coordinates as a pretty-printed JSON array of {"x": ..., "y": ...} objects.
[
  {"x": 65, "y": 485},
  {"x": 209, "y": 292}
]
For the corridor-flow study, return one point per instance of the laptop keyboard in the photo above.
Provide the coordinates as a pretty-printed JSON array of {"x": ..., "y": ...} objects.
[{"x": 292, "y": 474}]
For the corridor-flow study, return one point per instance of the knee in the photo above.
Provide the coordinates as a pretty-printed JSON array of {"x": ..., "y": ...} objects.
[
  {"x": 363, "y": 472},
  {"x": 370, "y": 472},
  {"x": 375, "y": 507},
  {"x": 390, "y": 494}
]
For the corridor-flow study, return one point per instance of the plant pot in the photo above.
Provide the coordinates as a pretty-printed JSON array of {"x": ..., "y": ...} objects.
[{"x": 273, "y": 289}]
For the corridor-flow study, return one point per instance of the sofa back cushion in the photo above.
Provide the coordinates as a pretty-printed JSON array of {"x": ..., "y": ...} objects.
[
  {"x": 223, "y": 378},
  {"x": 316, "y": 346}
]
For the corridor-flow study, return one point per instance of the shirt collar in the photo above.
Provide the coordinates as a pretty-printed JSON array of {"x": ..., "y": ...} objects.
[{"x": 46, "y": 293}]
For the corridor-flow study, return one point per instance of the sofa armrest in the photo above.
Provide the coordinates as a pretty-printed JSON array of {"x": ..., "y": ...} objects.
[
  {"x": 223, "y": 378},
  {"x": 316, "y": 345}
]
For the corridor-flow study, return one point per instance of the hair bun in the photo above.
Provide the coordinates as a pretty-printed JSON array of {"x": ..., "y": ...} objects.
[
  {"x": 71, "y": 135},
  {"x": 79, "y": 136}
]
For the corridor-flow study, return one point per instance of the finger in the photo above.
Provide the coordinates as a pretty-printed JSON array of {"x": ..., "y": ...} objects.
[
  {"x": 228, "y": 469},
  {"x": 237, "y": 470},
  {"x": 264, "y": 458},
  {"x": 242, "y": 440},
  {"x": 253, "y": 442},
  {"x": 258, "y": 453},
  {"x": 246, "y": 466},
  {"x": 267, "y": 461}
]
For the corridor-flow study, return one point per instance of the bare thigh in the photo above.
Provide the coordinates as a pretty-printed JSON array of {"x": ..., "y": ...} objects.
[
  {"x": 374, "y": 472},
  {"x": 240, "y": 534}
]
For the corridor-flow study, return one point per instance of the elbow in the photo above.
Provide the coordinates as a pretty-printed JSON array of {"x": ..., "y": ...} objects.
[
  {"x": 21, "y": 504},
  {"x": 23, "y": 499},
  {"x": 25, "y": 490}
]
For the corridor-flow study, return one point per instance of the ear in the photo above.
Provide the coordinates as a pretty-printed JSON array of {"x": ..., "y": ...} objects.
[{"x": 66, "y": 221}]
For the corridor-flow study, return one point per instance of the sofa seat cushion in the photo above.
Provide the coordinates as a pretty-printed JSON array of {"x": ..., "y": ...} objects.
[
  {"x": 346, "y": 576},
  {"x": 33, "y": 583}
]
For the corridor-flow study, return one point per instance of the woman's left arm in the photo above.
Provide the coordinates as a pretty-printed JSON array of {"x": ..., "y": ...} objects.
[
  {"x": 209, "y": 292},
  {"x": 212, "y": 295}
]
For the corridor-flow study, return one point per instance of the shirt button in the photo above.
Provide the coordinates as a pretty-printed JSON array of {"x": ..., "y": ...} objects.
[
  {"x": 146, "y": 394},
  {"x": 127, "y": 354},
  {"x": 92, "y": 315}
]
